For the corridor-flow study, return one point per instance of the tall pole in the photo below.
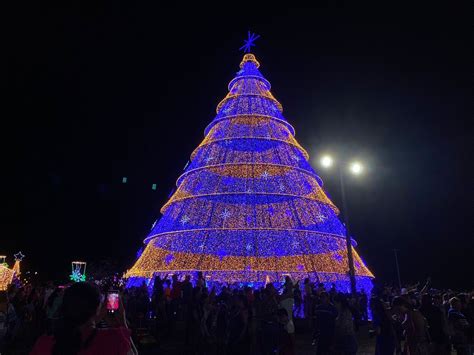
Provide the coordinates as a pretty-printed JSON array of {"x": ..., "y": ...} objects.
[
  {"x": 395, "y": 251},
  {"x": 350, "y": 257}
]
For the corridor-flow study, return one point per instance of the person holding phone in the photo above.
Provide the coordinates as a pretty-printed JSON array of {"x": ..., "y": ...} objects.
[{"x": 78, "y": 333}]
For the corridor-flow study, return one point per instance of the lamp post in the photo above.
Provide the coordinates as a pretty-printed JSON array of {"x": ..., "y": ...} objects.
[
  {"x": 395, "y": 251},
  {"x": 355, "y": 168}
]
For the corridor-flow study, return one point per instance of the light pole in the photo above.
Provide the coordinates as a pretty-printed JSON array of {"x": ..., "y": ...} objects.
[
  {"x": 356, "y": 168},
  {"x": 395, "y": 251}
]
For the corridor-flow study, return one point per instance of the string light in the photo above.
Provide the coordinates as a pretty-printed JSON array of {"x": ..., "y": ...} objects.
[
  {"x": 78, "y": 273},
  {"x": 249, "y": 208},
  {"x": 19, "y": 256},
  {"x": 3, "y": 260},
  {"x": 16, "y": 266},
  {"x": 6, "y": 277}
]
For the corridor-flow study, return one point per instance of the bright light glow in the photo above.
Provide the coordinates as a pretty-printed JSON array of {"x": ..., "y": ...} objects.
[
  {"x": 326, "y": 161},
  {"x": 356, "y": 168}
]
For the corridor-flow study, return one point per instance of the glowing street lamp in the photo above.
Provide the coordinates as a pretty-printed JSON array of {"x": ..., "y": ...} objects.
[
  {"x": 326, "y": 161},
  {"x": 355, "y": 168}
]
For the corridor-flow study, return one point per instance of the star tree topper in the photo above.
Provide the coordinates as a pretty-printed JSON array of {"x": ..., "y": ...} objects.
[
  {"x": 249, "y": 42},
  {"x": 19, "y": 256}
]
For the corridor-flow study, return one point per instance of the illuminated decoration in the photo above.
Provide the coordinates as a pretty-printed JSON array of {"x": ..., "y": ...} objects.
[
  {"x": 6, "y": 277},
  {"x": 16, "y": 268},
  {"x": 249, "y": 42},
  {"x": 78, "y": 273},
  {"x": 225, "y": 214},
  {"x": 185, "y": 219},
  {"x": 3, "y": 260},
  {"x": 19, "y": 256},
  {"x": 7, "y": 274},
  {"x": 320, "y": 218},
  {"x": 18, "y": 259},
  {"x": 248, "y": 207}
]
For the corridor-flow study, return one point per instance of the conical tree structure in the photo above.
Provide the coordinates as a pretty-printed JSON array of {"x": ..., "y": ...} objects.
[{"x": 249, "y": 207}]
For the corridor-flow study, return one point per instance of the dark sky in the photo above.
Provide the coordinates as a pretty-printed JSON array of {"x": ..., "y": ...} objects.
[{"x": 106, "y": 92}]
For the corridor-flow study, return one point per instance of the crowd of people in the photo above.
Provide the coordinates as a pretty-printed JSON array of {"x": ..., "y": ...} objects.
[
  {"x": 58, "y": 320},
  {"x": 211, "y": 318},
  {"x": 234, "y": 319},
  {"x": 428, "y": 321}
]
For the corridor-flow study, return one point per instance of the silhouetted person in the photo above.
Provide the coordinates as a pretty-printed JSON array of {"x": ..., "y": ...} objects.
[
  {"x": 80, "y": 307},
  {"x": 386, "y": 338},
  {"x": 308, "y": 299},
  {"x": 325, "y": 320},
  {"x": 287, "y": 333},
  {"x": 270, "y": 328},
  {"x": 437, "y": 325},
  {"x": 238, "y": 327},
  {"x": 414, "y": 325},
  {"x": 459, "y": 326},
  {"x": 298, "y": 300},
  {"x": 345, "y": 340}
]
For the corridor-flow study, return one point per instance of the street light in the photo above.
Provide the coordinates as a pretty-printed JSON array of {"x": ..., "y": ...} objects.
[
  {"x": 355, "y": 168},
  {"x": 326, "y": 161}
]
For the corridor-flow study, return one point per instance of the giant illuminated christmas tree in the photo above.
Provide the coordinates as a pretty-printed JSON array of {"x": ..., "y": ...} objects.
[{"x": 249, "y": 208}]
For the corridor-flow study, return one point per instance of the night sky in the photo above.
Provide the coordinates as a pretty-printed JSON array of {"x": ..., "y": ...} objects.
[{"x": 106, "y": 92}]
